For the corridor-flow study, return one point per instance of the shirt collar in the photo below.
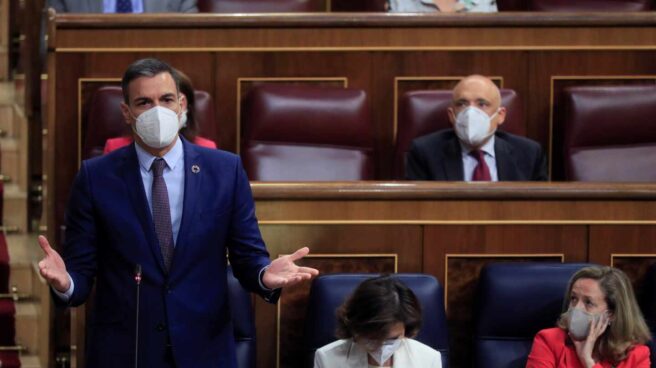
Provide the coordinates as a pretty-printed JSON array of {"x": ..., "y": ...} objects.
[
  {"x": 171, "y": 157},
  {"x": 488, "y": 147}
]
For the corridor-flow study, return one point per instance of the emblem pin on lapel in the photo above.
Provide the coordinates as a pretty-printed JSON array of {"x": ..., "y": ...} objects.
[{"x": 195, "y": 169}]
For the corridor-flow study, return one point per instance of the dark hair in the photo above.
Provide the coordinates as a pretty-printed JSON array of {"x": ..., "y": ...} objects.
[
  {"x": 186, "y": 88},
  {"x": 146, "y": 68},
  {"x": 375, "y": 306}
]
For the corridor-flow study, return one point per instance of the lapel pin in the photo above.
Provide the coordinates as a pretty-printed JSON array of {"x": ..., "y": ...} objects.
[{"x": 195, "y": 169}]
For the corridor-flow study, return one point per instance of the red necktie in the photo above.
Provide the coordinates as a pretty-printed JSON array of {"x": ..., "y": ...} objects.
[{"x": 481, "y": 172}]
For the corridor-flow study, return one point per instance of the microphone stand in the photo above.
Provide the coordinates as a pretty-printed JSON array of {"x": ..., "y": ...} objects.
[{"x": 137, "y": 280}]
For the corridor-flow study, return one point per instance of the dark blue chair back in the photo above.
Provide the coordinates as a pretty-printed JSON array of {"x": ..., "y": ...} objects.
[
  {"x": 243, "y": 322},
  {"x": 514, "y": 302},
  {"x": 330, "y": 291}
]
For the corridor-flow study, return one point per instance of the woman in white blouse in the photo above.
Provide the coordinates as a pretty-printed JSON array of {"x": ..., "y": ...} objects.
[
  {"x": 376, "y": 325},
  {"x": 445, "y": 6}
]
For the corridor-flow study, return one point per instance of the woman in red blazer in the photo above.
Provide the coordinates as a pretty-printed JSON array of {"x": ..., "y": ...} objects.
[
  {"x": 189, "y": 127},
  {"x": 602, "y": 328}
]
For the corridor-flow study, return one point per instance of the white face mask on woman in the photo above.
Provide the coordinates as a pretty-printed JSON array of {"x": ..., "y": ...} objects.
[
  {"x": 473, "y": 126},
  {"x": 384, "y": 351},
  {"x": 157, "y": 127}
]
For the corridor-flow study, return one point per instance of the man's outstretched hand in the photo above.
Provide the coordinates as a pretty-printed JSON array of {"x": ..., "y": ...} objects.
[
  {"x": 52, "y": 267},
  {"x": 284, "y": 272}
]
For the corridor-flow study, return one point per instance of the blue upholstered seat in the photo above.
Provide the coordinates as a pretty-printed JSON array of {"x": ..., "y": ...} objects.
[
  {"x": 514, "y": 302},
  {"x": 330, "y": 291}
]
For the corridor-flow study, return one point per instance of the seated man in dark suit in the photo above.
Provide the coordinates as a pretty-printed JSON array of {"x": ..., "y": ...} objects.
[
  {"x": 124, "y": 6},
  {"x": 474, "y": 150}
]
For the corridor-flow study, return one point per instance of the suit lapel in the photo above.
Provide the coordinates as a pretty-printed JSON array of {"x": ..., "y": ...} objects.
[
  {"x": 506, "y": 168},
  {"x": 193, "y": 174},
  {"x": 453, "y": 169},
  {"x": 135, "y": 188}
]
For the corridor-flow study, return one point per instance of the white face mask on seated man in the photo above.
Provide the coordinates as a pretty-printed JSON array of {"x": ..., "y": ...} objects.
[
  {"x": 473, "y": 126},
  {"x": 157, "y": 127}
]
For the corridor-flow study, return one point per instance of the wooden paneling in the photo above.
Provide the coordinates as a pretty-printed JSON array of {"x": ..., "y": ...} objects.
[
  {"x": 4, "y": 39},
  {"x": 374, "y": 52},
  {"x": 456, "y": 254},
  {"x": 446, "y": 229},
  {"x": 629, "y": 248}
]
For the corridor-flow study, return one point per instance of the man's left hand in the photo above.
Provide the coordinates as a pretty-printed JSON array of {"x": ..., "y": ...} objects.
[{"x": 283, "y": 271}]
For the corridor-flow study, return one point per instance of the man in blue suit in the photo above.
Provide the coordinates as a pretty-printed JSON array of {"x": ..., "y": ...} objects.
[{"x": 173, "y": 210}]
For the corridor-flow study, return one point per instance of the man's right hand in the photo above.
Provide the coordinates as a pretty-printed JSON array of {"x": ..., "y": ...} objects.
[{"x": 52, "y": 267}]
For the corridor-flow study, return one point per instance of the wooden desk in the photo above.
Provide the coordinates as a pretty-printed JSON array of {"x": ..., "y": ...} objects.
[{"x": 448, "y": 230}]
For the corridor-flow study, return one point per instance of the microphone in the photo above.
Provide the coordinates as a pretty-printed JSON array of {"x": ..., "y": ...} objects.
[{"x": 137, "y": 280}]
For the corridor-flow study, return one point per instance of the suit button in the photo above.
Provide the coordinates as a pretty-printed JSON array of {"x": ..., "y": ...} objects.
[{"x": 161, "y": 327}]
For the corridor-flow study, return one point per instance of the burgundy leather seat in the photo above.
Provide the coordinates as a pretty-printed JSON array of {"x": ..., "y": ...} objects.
[
  {"x": 104, "y": 119},
  {"x": 358, "y": 5},
  {"x": 423, "y": 112},
  {"x": 589, "y": 5},
  {"x": 610, "y": 133},
  {"x": 306, "y": 133},
  {"x": 256, "y": 6}
]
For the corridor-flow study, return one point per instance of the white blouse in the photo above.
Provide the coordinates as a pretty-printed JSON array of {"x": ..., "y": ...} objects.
[{"x": 428, "y": 6}]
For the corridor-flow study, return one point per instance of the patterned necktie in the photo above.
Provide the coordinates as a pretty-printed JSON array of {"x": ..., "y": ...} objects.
[
  {"x": 481, "y": 172},
  {"x": 124, "y": 6},
  {"x": 162, "y": 212}
]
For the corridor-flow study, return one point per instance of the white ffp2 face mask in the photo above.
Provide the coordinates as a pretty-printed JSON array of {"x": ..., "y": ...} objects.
[
  {"x": 157, "y": 127},
  {"x": 385, "y": 350},
  {"x": 580, "y": 321},
  {"x": 473, "y": 126}
]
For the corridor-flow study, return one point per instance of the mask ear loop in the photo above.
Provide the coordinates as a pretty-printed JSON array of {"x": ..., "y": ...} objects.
[
  {"x": 179, "y": 113},
  {"x": 495, "y": 113}
]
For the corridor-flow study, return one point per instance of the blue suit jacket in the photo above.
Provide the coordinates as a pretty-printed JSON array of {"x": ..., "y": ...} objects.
[{"x": 109, "y": 229}]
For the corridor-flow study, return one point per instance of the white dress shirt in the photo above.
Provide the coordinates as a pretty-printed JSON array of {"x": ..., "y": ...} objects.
[{"x": 469, "y": 163}]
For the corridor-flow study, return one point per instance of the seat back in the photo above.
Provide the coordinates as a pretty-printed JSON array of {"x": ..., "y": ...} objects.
[
  {"x": 256, "y": 6},
  {"x": 358, "y": 5},
  {"x": 296, "y": 132},
  {"x": 425, "y": 111},
  {"x": 589, "y": 5},
  {"x": 243, "y": 322},
  {"x": 330, "y": 291},
  {"x": 105, "y": 120},
  {"x": 512, "y": 5},
  {"x": 514, "y": 301},
  {"x": 610, "y": 133}
]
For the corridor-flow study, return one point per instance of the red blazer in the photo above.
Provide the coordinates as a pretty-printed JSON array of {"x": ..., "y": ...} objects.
[
  {"x": 115, "y": 143},
  {"x": 550, "y": 350}
]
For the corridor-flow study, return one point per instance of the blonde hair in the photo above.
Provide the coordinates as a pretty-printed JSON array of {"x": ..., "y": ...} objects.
[{"x": 628, "y": 327}]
